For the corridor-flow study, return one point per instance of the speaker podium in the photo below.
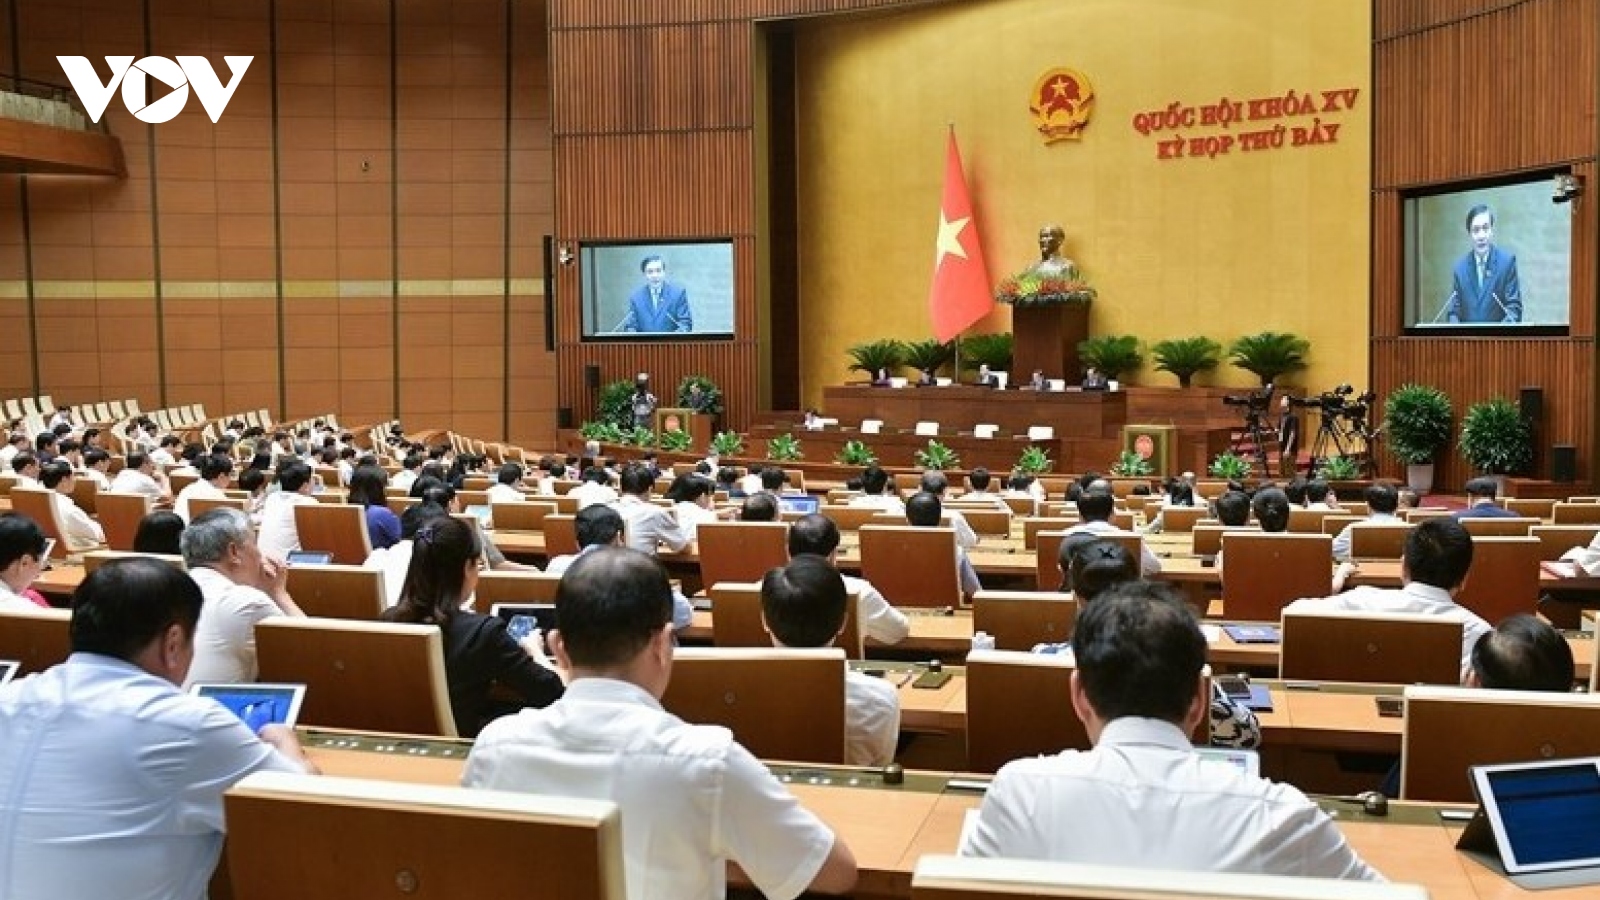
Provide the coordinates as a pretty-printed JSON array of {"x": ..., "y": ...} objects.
[{"x": 698, "y": 425}]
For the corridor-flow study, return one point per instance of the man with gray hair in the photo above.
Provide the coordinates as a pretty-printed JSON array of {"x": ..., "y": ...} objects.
[
  {"x": 935, "y": 482},
  {"x": 241, "y": 587}
]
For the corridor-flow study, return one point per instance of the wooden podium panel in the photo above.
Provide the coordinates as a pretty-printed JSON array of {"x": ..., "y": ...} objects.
[
  {"x": 1046, "y": 338},
  {"x": 1088, "y": 414},
  {"x": 675, "y": 418}
]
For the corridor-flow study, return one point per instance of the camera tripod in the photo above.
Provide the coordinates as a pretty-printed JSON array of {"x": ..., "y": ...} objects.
[
  {"x": 1255, "y": 435},
  {"x": 1328, "y": 433}
]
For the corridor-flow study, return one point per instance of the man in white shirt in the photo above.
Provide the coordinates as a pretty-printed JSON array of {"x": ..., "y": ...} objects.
[
  {"x": 111, "y": 778},
  {"x": 924, "y": 510},
  {"x": 875, "y": 618},
  {"x": 167, "y": 453},
  {"x": 595, "y": 487},
  {"x": 935, "y": 482},
  {"x": 79, "y": 531},
  {"x": 1142, "y": 797},
  {"x": 241, "y": 588},
  {"x": 1434, "y": 565},
  {"x": 22, "y": 558},
  {"x": 97, "y": 467},
  {"x": 600, "y": 527},
  {"x": 803, "y": 605},
  {"x": 25, "y": 466},
  {"x": 215, "y": 471},
  {"x": 978, "y": 481},
  {"x": 1095, "y": 506},
  {"x": 407, "y": 476},
  {"x": 649, "y": 527},
  {"x": 140, "y": 476},
  {"x": 1382, "y": 501},
  {"x": 279, "y": 536},
  {"x": 693, "y": 799},
  {"x": 15, "y": 443},
  {"x": 877, "y": 491},
  {"x": 506, "y": 488}
]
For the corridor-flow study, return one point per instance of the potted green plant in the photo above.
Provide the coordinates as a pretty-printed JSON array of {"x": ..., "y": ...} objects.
[
  {"x": 928, "y": 355},
  {"x": 1495, "y": 438},
  {"x": 784, "y": 448},
  {"x": 992, "y": 350},
  {"x": 1131, "y": 465},
  {"x": 676, "y": 441},
  {"x": 600, "y": 430},
  {"x": 856, "y": 453},
  {"x": 1416, "y": 426},
  {"x": 1230, "y": 466},
  {"x": 1341, "y": 468},
  {"x": 1112, "y": 354},
  {"x": 1270, "y": 354},
  {"x": 1186, "y": 357},
  {"x": 615, "y": 404},
  {"x": 937, "y": 456},
  {"x": 1033, "y": 461},
  {"x": 639, "y": 436},
  {"x": 887, "y": 355},
  {"x": 727, "y": 443},
  {"x": 710, "y": 400}
]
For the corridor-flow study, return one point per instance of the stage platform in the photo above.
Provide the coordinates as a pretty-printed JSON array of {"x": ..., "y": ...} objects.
[{"x": 1087, "y": 424}]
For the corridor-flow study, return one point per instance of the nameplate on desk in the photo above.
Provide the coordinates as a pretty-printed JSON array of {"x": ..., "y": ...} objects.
[{"x": 1254, "y": 634}]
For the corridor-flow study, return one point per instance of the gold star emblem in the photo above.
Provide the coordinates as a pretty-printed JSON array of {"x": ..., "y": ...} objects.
[{"x": 950, "y": 238}]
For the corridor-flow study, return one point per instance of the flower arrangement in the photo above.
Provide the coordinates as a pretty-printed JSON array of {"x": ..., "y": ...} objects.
[{"x": 1030, "y": 288}]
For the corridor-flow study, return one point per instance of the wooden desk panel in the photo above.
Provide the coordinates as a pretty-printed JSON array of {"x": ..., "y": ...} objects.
[
  {"x": 889, "y": 829},
  {"x": 1094, "y": 414}
]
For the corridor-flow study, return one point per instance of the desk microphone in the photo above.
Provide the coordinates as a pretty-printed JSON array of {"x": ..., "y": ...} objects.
[{"x": 1373, "y": 803}]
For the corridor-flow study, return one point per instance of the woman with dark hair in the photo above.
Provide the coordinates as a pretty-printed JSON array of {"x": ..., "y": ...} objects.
[
  {"x": 478, "y": 652},
  {"x": 22, "y": 558},
  {"x": 159, "y": 532},
  {"x": 691, "y": 501},
  {"x": 366, "y": 490}
]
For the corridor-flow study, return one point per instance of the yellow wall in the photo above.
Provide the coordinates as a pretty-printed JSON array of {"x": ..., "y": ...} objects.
[{"x": 1217, "y": 247}]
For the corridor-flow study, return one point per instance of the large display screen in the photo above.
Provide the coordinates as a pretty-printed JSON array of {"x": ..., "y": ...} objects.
[
  {"x": 653, "y": 291},
  {"x": 1494, "y": 258}
]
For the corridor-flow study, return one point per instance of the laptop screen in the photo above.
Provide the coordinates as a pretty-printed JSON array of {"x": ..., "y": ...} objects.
[
  {"x": 257, "y": 704},
  {"x": 802, "y": 504},
  {"x": 1545, "y": 816}
]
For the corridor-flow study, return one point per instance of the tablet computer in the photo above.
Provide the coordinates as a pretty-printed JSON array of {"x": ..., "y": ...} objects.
[
  {"x": 800, "y": 504},
  {"x": 482, "y": 512},
  {"x": 257, "y": 704},
  {"x": 8, "y": 669},
  {"x": 309, "y": 558},
  {"x": 1246, "y": 761},
  {"x": 522, "y": 618},
  {"x": 1544, "y": 818}
]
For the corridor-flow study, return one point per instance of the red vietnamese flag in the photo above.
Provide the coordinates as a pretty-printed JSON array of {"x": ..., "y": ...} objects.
[{"x": 960, "y": 294}]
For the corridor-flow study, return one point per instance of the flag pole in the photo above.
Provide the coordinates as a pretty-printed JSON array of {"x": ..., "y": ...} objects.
[{"x": 951, "y": 130}]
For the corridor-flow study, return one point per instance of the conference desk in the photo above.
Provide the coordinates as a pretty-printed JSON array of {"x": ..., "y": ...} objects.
[
  {"x": 948, "y": 637},
  {"x": 890, "y": 827}
]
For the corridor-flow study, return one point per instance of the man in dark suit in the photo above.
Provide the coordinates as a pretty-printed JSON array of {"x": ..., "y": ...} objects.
[
  {"x": 1481, "y": 502},
  {"x": 658, "y": 305},
  {"x": 1484, "y": 285},
  {"x": 1094, "y": 380}
]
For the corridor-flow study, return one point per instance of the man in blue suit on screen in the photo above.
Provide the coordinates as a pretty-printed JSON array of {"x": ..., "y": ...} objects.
[
  {"x": 1484, "y": 287},
  {"x": 658, "y": 305}
]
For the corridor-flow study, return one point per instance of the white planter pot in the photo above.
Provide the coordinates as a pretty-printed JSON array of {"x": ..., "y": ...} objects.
[{"x": 1420, "y": 478}]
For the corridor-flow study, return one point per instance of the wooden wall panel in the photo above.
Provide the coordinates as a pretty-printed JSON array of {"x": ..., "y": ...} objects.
[
  {"x": 1506, "y": 91},
  {"x": 653, "y": 126},
  {"x": 378, "y": 156},
  {"x": 1474, "y": 369},
  {"x": 1476, "y": 89}
]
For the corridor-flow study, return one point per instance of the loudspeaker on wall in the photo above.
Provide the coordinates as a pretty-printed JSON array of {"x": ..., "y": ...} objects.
[{"x": 591, "y": 376}]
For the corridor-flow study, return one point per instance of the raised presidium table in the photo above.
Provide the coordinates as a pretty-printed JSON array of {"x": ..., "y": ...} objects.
[{"x": 890, "y": 826}]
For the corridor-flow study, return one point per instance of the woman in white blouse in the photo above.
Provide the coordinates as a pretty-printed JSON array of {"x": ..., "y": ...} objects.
[{"x": 691, "y": 501}]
